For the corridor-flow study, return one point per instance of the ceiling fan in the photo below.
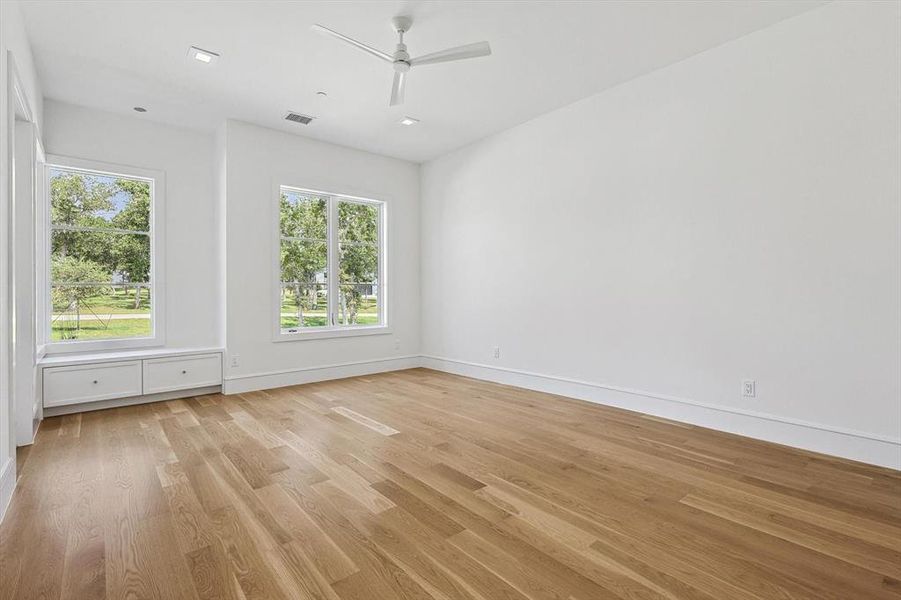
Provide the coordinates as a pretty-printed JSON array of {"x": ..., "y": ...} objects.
[{"x": 401, "y": 59}]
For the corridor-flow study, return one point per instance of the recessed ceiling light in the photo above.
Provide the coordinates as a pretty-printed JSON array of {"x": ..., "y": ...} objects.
[
  {"x": 201, "y": 55},
  {"x": 409, "y": 121},
  {"x": 140, "y": 109}
]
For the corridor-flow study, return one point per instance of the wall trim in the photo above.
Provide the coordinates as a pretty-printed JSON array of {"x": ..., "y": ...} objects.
[
  {"x": 842, "y": 442},
  {"x": 861, "y": 446},
  {"x": 67, "y": 409},
  {"x": 237, "y": 384},
  {"x": 7, "y": 484}
]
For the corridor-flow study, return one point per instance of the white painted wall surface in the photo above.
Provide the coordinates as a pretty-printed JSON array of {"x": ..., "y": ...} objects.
[
  {"x": 220, "y": 200},
  {"x": 13, "y": 43},
  {"x": 735, "y": 215},
  {"x": 25, "y": 173},
  {"x": 193, "y": 296},
  {"x": 14, "y": 38},
  {"x": 259, "y": 159}
]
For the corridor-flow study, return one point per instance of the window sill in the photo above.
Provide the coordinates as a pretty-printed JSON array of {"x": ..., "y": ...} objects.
[
  {"x": 112, "y": 355},
  {"x": 326, "y": 333},
  {"x": 114, "y": 345}
]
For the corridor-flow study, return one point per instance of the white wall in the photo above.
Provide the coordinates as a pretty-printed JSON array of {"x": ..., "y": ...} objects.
[
  {"x": 14, "y": 38},
  {"x": 26, "y": 186},
  {"x": 14, "y": 45},
  {"x": 259, "y": 159},
  {"x": 193, "y": 293},
  {"x": 735, "y": 215},
  {"x": 220, "y": 182}
]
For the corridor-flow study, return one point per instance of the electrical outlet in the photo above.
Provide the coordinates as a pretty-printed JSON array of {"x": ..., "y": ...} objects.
[
  {"x": 748, "y": 388},
  {"x": 397, "y": 344},
  {"x": 496, "y": 352},
  {"x": 236, "y": 360}
]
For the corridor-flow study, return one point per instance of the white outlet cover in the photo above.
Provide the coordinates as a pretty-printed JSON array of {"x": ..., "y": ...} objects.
[{"x": 748, "y": 388}]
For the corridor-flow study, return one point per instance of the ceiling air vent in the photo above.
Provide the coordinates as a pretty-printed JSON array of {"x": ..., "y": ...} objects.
[{"x": 298, "y": 118}]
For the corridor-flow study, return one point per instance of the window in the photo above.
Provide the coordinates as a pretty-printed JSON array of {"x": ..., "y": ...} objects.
[
  {"x": 102, "y": 273},
  {"x": 331, "y": 264}
]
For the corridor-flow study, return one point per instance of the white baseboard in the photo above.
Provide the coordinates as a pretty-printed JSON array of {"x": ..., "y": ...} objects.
[
  {"x": 845, "y": 443},
  {"x": 68, "y": 409},
  {"x": 237, "y": 384},
  {"x": 827, "y": 439},
  {"x": 7, "y": 484}
]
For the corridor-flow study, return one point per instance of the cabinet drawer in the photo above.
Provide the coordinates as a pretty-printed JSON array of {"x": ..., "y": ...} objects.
[
  {"x": 88, "y": 383},
  {"x": 182, "y": 372}
]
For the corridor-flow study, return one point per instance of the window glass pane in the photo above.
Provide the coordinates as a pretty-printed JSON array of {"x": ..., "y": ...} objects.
[
  {"x": 307, "y": 241},
  {"x": 100, "y": 284},
  {"x": 304, "y": 306},
  {"x": 96, "y": 312},
  {"x": 79, "y": 199},
  {"x": 304, "y": 284},
  {"x": 359, "y": 263},
  {"x": 358, "y": 252},
  {"x": 358, "y": 305},
  {"x": 303, "y": 216},
  {"x": 119, "y": 257},
  {"x": 358, "y": 222}
]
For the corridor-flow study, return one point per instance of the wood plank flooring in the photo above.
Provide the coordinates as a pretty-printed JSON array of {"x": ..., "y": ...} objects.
[{"x": 423, "y": 485}]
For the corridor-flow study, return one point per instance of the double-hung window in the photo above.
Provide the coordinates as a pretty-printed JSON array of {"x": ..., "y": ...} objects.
[
  {"x": 102, "y": 263},
  {"x": 331, "y": 264}
]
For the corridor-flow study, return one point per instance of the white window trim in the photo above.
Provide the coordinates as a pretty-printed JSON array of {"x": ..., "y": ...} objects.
[
  {"x": 331, "y": 331},
  {"x": 157, "y": 258}
]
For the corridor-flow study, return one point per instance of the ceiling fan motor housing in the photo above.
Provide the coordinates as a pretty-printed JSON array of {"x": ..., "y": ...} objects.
[
  {"x": 401, "y": 59},
  {"x": 401, "y": 56}
]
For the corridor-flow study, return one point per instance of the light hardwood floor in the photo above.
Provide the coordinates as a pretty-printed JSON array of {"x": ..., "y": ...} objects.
[{"x": 418, "y": 484}]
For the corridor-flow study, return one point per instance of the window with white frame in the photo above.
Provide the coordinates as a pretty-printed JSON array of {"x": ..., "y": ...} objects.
[
  {"x": 331, "y": 263},
  {"x": 103, "y": 277}
]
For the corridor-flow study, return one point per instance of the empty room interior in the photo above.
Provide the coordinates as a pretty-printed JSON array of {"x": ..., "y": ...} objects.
[{"x": 450, "y": 300}]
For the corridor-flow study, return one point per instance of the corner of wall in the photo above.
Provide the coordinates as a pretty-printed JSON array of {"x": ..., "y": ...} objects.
[{"x": 220, "y": 183}]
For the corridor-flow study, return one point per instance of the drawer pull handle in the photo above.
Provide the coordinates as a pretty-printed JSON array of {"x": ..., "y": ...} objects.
[
  {"x": 183, "y": 372},
  {"x": 95, "y": 381}
]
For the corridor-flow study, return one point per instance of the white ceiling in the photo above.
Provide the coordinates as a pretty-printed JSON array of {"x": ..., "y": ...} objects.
[{"x": 117, "y": 55}]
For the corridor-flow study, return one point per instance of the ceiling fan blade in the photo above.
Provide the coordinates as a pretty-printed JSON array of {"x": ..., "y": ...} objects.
[
  {"x": 355, "y": 43},
  {"x": 458, "y": 53},
  {"x": 397, "y": 90}
]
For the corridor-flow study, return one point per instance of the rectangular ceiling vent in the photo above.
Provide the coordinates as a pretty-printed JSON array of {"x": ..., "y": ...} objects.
[{"x": 298, "y": 118}]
